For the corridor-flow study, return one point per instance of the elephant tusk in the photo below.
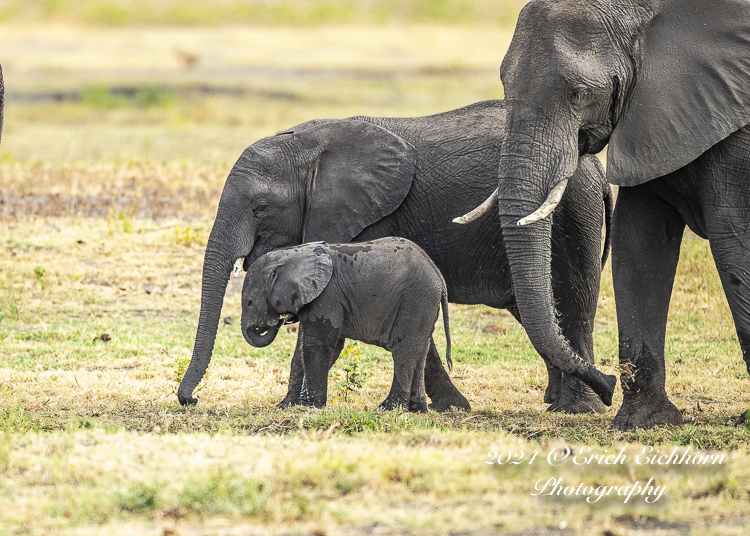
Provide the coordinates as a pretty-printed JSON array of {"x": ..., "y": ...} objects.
[
  {"x": 548, "y": 206},
  {"x": 238, "y": 266},
  {"x": 489, "y": 204}
]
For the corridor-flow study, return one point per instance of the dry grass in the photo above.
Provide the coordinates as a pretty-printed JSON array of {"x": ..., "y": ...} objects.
[
  {"x": 106, "y": 204},
  {"x": 127, "y": 94},
  {"x": 93, "y": 427}
]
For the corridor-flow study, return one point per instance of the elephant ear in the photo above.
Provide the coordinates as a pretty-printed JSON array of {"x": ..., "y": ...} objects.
[
  {"x": 301, "y": 274},
  {"x": 361, "y": 173},
  {"x": 692, "y": 89}
]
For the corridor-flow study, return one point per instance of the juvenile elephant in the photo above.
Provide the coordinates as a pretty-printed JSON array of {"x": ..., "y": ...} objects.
[
  {"x": 385, "y": 292},
  {"x": 666, "y": 83},
  {"x": 358, "y": 179}
]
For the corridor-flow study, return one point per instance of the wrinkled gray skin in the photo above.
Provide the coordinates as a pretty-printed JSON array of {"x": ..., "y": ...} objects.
[
  {"x": 365, "y": 178},
  {"x": 667, "y": 84},
  {"x": 385, "y": 292}
]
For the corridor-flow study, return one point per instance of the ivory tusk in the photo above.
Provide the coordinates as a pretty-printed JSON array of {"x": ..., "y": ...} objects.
[
  {"x": 489, "y": 204},
  {"x": 548, "y": 206},
  {"x": 238, "y": 267}
]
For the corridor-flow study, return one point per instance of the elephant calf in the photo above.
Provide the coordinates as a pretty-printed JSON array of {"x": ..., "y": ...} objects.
[{"x": 385, "y": 292}]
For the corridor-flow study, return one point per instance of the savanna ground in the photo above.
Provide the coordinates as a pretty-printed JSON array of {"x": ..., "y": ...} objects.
[{"x": 122, "y": 121}]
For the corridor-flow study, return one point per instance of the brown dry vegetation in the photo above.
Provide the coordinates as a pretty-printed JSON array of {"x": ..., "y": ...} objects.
[{"x": 106, "y": 201}]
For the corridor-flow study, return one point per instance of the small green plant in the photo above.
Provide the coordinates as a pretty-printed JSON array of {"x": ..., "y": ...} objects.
[
  {"x": 180, "y": 367},
  {"x": 40, "y": 273},
  {"x": 351, "y": 378}
]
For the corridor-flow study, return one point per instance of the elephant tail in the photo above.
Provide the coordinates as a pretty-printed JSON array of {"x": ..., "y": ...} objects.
[
  {"x": 608, "y": 210},
  {"x": 446, "y": 324}
]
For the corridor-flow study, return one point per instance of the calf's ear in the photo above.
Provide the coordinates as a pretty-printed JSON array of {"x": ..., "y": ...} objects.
[{"x": 301, "y": 274}]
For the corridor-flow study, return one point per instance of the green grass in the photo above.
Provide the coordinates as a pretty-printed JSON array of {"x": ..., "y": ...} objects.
[
  {"x": 112, "y": 192},
  {"x": 92, "y": 428}
]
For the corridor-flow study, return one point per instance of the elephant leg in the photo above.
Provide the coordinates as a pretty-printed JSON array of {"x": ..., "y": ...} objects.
[
  {"x": 725, "y": 190},
  {"x": 408, "y": 355},
  {"x": 646, "y": 237},
  {"x": 576, "y": 277},
  {"x": 296, "y": 376},
  {"x": 418, "y": 396},
  {"x": 305, "y": 397},
  {"x": 438, "y": 385},
  {"x": 321, "y": 344}
]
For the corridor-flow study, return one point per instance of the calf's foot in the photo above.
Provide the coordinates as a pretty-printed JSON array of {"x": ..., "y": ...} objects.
[
  {"x": 418, "y": 406},
  {"x": 391, "y": 403}
]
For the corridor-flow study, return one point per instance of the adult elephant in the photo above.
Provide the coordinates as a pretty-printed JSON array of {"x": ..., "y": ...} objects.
[
  {"x": 667, "y": 84},
  {"x": 364, "y": 178}
]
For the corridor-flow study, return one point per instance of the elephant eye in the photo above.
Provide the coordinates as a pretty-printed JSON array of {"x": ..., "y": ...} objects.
[
  {"x": 249, "y": 302},
  {"x": 577, "y": 95},
  {"x": 259, "y": 209}
]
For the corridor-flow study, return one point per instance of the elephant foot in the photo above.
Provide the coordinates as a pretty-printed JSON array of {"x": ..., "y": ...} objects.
[
  {"x": 318, "y": 405},
  {"x": 553, "y": 385},
  {"x": 742, "y": 419},
  {"x": 444, "y": 401},
  {"x": 576, "y": 397},
  {"x": 438, "y": 385},
  {"x": 391, "y": 403},
  {"x": 419, "y": 406},
  {"x": 443, "y": 394},
  {"x": 289, "y": 401},
  {"x": 551, "y": 393},
  {"x": 645, "y": 414}
]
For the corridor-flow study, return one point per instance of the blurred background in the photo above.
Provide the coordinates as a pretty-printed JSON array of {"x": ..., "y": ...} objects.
[{"x": 194, "y": 82}]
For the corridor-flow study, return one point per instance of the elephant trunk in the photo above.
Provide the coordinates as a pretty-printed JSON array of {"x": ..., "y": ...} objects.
[
  {"x": 221, "y": 252},
  {"x": 260, "y": 336},
  {"x": 529, "y": 249}
]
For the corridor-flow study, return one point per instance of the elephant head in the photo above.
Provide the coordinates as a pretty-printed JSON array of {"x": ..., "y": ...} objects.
[
  {"x": 323, "y": 180},
  {"x": 661, "y": 81},
  {"x": 279, "y": 284}
]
